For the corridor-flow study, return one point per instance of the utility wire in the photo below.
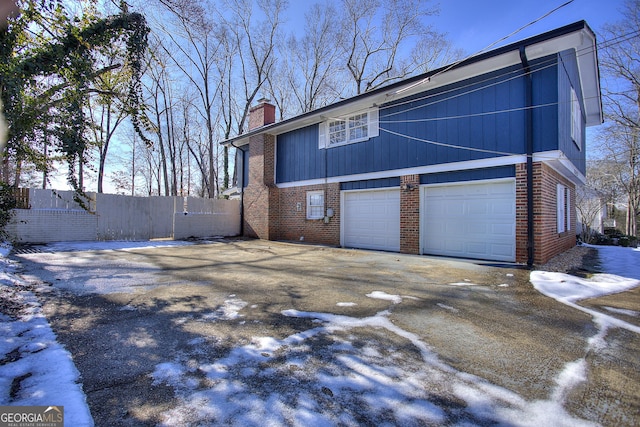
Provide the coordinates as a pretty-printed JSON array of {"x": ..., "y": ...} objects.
[
  {"x": 464, "y": 148},
  {"x": 505, "y": 37},
  {"x": 515, "y": 74},
  {"x": 497, "y": 79}
]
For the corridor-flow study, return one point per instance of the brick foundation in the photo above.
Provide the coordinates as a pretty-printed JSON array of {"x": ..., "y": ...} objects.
[{"x": 293, "y": 222}]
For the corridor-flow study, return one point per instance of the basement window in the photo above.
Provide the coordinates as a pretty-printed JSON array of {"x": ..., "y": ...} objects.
[{"x": 315, "y": 204}]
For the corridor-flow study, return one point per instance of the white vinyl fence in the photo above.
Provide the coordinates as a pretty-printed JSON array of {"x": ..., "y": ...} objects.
[{"x": 55, "y": 216}]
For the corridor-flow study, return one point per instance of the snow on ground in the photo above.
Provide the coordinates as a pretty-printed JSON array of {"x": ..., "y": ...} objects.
[
  {"x": 296, "y": 381},
  {"x": 303, "y": 378},
  {"x": 34, "y": 368},
  {"x": 110, "y": 245}
]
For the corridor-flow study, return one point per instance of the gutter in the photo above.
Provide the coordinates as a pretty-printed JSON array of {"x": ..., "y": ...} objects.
[{"x": 529, "y": 150}]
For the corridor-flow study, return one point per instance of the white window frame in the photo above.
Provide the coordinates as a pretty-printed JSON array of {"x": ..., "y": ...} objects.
[
  {"x": 563, "y": 208},
  {"x": 349, "y": 129},
  {"x": 576, "y": 119},
  {"x": 315, "y": 210}
]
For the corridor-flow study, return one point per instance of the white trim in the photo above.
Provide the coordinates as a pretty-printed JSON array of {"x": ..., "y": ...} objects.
[
  {"x": 372, "y": 128},
  {"x": 308, "y": 206},
  {"x": 394, "y": 173},
  {"x": 560, "y": 163},
  {"x": 359, "y": 190},
  {"x": 477, "y": 181},
  {"x": 560, "y": 208},
  {"x": 568, "y": 213}
]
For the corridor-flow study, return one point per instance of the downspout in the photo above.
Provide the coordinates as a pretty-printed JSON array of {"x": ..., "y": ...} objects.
[{"x": 529, "y": 150}]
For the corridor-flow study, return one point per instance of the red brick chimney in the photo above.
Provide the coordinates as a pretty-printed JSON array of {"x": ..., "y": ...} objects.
[{"x": 262, "y": 114}]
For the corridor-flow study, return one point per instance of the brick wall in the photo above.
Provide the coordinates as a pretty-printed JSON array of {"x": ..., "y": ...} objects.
[
  {"x": 547, "y": 241},
  {"x": 262, "y": 114},
  {"x": 260, "y": 196},
  {"x": 293, "y": 223},
  {"x": 521, "y": 213},
  {"x": 410, "y": 214}
]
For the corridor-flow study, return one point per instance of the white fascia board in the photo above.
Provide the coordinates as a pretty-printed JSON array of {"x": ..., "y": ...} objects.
[
  {"x": 559, "y": 162},
  {"x": 584, "y": 44}
]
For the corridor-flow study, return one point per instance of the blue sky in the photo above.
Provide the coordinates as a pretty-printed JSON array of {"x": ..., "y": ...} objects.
[{"x": 473, "y": 25}]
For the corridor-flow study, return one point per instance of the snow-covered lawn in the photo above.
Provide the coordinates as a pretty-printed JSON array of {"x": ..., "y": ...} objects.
[{"x": 301, "y": 378}]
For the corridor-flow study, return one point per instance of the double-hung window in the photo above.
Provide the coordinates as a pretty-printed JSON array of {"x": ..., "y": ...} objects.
[
  {"x": 563, "y": 206},
  {"x": 315, "y": 204},
  {"x": 349, "y": 129}
]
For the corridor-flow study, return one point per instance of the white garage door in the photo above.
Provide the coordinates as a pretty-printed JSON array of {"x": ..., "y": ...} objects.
[
  {"x": 371, "y": 219},
  {"x": 470, "y": 220}
]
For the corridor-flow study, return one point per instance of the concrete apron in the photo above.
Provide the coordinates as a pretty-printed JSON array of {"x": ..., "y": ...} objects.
[{"x": 480, "y": 319}]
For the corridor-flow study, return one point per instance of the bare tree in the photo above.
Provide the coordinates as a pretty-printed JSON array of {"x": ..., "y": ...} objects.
[
  {"x": 589, "y": 206},
  {"x": 310, "y": 64},
  {"x": 254, "y": 28},
  {"x": 193, "y": 44},
  {"x": 256, "y": 38},
  {"x": 376, "y": 32},
  {"x": 620, "y": 140}
]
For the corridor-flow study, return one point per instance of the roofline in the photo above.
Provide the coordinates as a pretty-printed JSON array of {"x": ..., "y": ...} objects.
[{"x": 416, "y": 80}]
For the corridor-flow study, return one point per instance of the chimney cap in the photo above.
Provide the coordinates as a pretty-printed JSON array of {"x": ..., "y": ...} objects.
[{"x": 264, "y": 100}]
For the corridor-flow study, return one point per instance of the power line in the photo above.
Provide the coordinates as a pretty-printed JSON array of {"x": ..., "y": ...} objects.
[
  {"x": 465, "y": 116},
  {"x": 465, "y": 148},
  {"x": 505, "y": 37}
]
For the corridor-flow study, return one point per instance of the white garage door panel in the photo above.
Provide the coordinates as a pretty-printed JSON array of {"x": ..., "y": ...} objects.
[
  {"x": 473, "y": 220},
  {"x": 372, "y": 220}
]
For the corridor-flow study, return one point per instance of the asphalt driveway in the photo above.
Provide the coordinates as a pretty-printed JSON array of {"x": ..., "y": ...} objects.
[{"x": 150, "y": 330}]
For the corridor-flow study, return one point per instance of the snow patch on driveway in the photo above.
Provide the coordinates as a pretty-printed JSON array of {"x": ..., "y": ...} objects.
[
  {"x": 328, "y": 376},
  {"x": 396, "y": 299},
  {"x": 34, "y": 368},
  {"x": 229, "y": 310}
]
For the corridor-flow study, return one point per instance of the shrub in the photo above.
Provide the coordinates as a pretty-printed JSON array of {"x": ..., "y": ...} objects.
[{"x": 7, "y": 203}]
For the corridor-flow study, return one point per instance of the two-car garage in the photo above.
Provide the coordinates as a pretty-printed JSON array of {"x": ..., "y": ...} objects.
[{"x": 470, "y": 220}]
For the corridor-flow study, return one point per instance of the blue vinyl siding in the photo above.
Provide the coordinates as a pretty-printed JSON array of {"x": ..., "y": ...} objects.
[
  {"x": 485, "y": 112},
  {"x": 568, "y": 76},
  {"x": 298, "y": 157},
  {"x": 371, "y": 183},
  {"x": 545, "y": 96},
  {"x": 508, "y": 171}
]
